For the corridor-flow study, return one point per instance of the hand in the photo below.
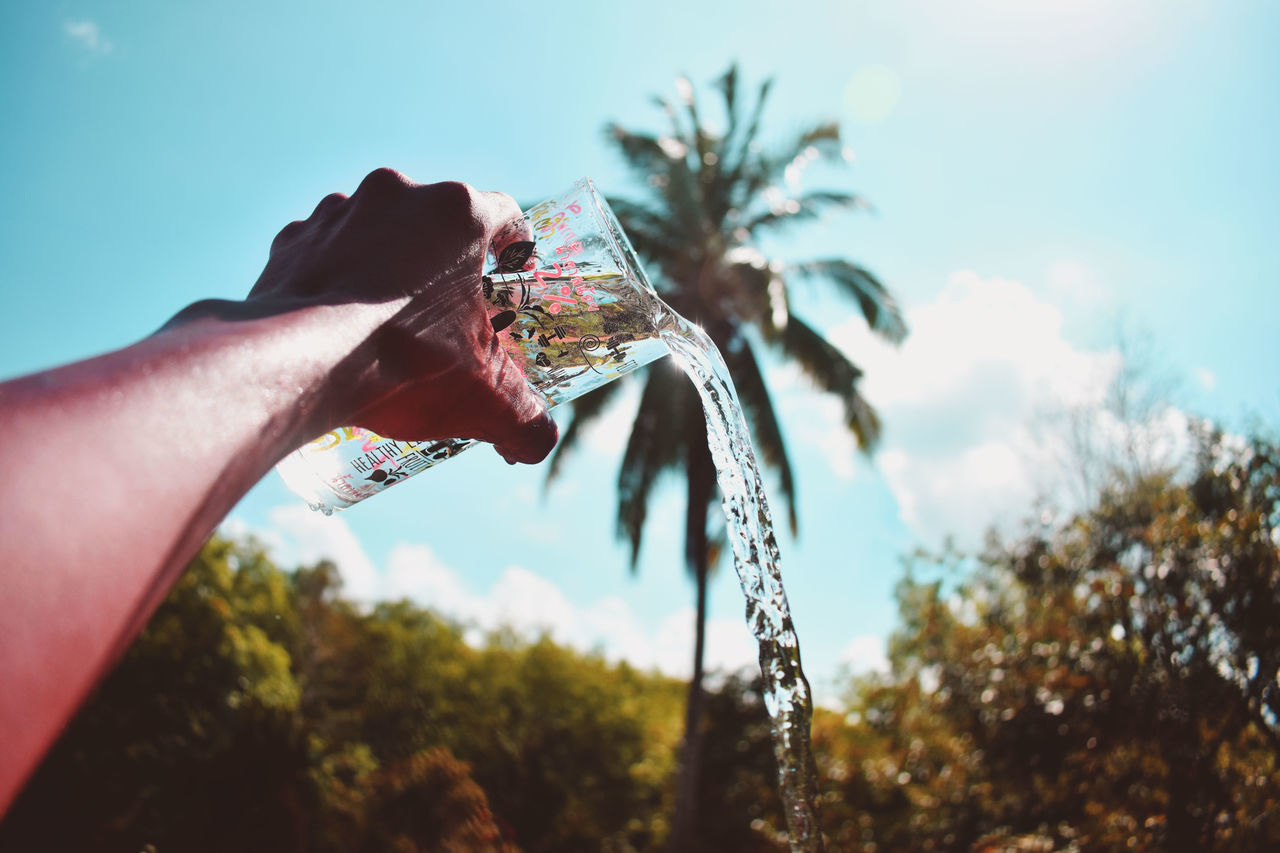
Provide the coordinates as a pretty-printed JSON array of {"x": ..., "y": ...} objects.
[
  {"x": 369, "y": 313},
  {"x": 404, "y": 260}
]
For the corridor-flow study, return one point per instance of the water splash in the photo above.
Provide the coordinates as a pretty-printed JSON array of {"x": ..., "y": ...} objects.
[{"x": 756, "y": 559}]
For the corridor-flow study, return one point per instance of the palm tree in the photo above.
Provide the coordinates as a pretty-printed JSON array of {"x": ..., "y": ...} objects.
[{"x": 709, "y": 199}]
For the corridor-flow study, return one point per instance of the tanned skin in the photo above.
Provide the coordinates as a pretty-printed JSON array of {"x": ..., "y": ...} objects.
[{"x": 369, "y": 313}]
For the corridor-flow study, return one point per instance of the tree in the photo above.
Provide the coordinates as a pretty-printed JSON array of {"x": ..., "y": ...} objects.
[
  {"x": 193, "y": 741},
  {"x": 741, "y": 809},
  {"x": 259, "y": 710},
  {"x": 711, "y": 197},
  {"x": 1105, "y": 683},
  {"x": 430, "y": 804},
  {"x": 570, "y": 752}
]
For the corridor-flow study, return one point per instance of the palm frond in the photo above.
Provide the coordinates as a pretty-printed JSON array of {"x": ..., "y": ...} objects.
[
  {"x": 641, "y": 152},
  {"x": 878, "y": 305},
  {"x": 716, "y": 174},
  {"x": 771, "y": 170},
  {"x": 694, "y": 227},
  {"x": 745, "y": 154},
  {"x": 818, "y": 135},
  {"x": 804, "y": 207},
  {"x": 653, "y": 235},
  {"x": 651, "y": 449},
  {"x": 755, "y": 398},
  {"x": 647, "y": 157},
  {"x": 678, "y": 130},
  {"x": 821, "y": 141},
  {"x": 689, "y": 98},
  {"x": 716, "y": 168},
  {"x": 834, "y": 373},
  {"x": 634, "y": 214},
  {"x": 728, "y": 85},
  {"x": 642, "y": 218}
]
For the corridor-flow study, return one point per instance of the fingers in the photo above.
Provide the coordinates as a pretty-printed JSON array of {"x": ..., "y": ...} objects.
[
  {"x": 430, "y": 242},
  {"x": 328, "y": 204},
  {"x": 527, "y": 433},
  {"x": 501, "y": 213},
  {"x": 521, "y": 431},
  {"x": 512, "y": 242},
  {"x": 383, "y": 183},
  {"x": 497, "y": 215}
]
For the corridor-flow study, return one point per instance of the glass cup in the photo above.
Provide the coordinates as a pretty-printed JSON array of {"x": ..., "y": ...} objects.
[{"x": 572, "y": 308}]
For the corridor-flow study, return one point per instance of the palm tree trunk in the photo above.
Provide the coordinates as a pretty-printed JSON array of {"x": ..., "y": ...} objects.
[{"x": 701, "y": 483}]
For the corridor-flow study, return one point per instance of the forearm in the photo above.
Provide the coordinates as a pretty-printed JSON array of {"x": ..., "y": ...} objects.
[
  {"x": 369, "y": 312},
  {"x": 129, "y": 461}
]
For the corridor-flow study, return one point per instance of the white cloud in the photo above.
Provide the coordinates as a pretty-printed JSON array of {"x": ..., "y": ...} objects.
[
  {"x": 840, "y": 449},
  {"x": 1073, "y": 282},
  {"x": 519, "y": 599},
  {"x": 977, "y": 341},
  {"x": 730, "y": 646},
  {"x": 962, "y": 402},
  {"x": 1205, "y": 378},
  {"x": 302, "y": 536},
  {"x": 959, "y": 396},
  {"x": 88, "y": 35},
  {"x": 531, "y": 605},
  {"x": 813, "y": 418},
  {"x": 865, "y": 654},
  {"x": 821, "y": 424}
]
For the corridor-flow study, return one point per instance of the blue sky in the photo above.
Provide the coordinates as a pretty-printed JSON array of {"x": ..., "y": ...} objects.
[{"x": 1043, "y": 172}]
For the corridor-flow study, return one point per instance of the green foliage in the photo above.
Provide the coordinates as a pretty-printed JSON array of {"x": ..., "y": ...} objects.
[
  {"x": 739, "y": 807},
  {"x": 547, "y": 711},
  {"x": 1104, "y": 684},
  {"x": 429, "y": 803},
  {"x": 193, "y": 741},
  {"x": 260, "y": 711}
]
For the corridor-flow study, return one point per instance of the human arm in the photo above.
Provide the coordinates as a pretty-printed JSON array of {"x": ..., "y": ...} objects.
[{"x": 368, "y": 313}]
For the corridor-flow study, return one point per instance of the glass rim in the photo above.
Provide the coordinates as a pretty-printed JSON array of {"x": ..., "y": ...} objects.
[{"x": 619, "y": 242}]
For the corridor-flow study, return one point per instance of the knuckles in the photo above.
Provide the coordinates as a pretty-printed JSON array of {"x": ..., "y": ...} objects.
[
  {"x": 458, "y": 204},
  {"x": 327, "y": 204},
  {"x": 287, "y": 235},
  {"x": 382, "y": 184},
  {"x": 451, "y": 205}
]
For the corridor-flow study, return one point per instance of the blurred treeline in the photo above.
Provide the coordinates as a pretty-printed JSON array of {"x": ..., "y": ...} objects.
[{"x": 1103, "y": 682}]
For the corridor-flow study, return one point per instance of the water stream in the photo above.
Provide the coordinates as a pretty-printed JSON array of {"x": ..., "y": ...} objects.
[
  {"x": 566, "y": 354},
  {"x": 756, "y": 559}
]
